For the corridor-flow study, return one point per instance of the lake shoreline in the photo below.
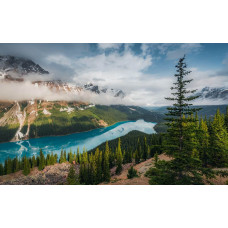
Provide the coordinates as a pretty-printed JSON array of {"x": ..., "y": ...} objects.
[{"x": 89, "y": 139}]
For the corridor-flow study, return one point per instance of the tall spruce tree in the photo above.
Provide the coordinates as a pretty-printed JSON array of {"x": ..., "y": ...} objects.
[
  {"x": 145, "y": 150},
  {"x": 98, "y": 161},
  {"x": 226, "y": 119},
  {"x": 183, "y": 168},
  {"x": 34, "y": 161},
  {"x": 72, "y": 178},
  {"x": 26, "y": 169},
  {"x": 138, "y": 153},
  {"x": 204, "y": 142},
  {"x": 119, "y": 158},
  {"x": 219, "y": 141},
  {"x": 106, "y": 169},
  {"x": 1, "y": 170},
  {"x": 41, "y": 160}
]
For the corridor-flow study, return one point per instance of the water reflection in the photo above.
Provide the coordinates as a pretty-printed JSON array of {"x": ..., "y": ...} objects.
[{"x": 88, "y": 139}]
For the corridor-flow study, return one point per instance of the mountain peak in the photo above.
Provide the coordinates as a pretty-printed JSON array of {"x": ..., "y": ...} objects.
[{"x": 12, "y": 66}]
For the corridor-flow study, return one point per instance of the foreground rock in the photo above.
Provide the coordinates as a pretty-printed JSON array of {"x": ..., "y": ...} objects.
[{"x": 51, "y": 175}]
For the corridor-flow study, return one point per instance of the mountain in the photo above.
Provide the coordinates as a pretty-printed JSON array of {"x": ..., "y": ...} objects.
[
  {"x": 98, "y": 90},
  {"x": 208, "y": 110},
  {"x": 213, "y": 93},
  {"x": 31, "y": 119},
  {"x": 15, "y": 67}
]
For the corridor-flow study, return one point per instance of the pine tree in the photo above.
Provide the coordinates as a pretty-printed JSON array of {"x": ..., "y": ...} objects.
[
  {"x": 74, "y": 157},
  {"x": 111, "y": 159},
  {"x": 204, "y": 140},
  {"x": 183, "y": 168},
  {"x": 65, "y": 157},
  {"x": 78, "y": 156},
  {"x": 139, "y": 149},
  {"x": 92, "y": 169},
  {"x": 137, "y": 157},
  {"x": 145, "y": 150},
  {"x": 48, "y": 160},
  {"x": 1, "y": 170},
  {"x": 72, "y": 178},
  {"x": 156, "y": 158},
  {"x": 106, "y": 169},
  {"x": 61, "y": 159},
  {"x": 9, "y": 168},
  {"x": 98, "y": 159},
  {"x": 119, "y": 158},
  {"x": 16, "y": 165},
  {"x": 132, "y": 173},
  {"x": 26, "y": 169},
  {"x": 70, "y": 157},
  {"x": 219, "y": 142},
  {"x": 55, "y": 158},
  {"x": 41, "y": 160},
  {"x": 226, "y": 119},
  {"x": 34, "y": 161},
  {"x": 52, "y": 159},
  {"x": 5, "y": 166}
]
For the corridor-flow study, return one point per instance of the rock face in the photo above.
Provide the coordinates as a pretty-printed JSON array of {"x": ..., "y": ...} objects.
[
  {"x": 12, "y": 67},
  {"x": 51, "y": 175},
  {"x": 99, "y": 90},
  {"x": 213, "y": 93}
]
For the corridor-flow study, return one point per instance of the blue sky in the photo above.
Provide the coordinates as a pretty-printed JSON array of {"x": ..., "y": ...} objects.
[{"x": 143, "y": 71}]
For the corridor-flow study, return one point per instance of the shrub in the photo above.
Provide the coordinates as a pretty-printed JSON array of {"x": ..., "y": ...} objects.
[{"x": 132, "y": 173}]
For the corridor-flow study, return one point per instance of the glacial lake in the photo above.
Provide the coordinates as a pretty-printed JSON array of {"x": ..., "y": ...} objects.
[{"x": 89, "y": 139}]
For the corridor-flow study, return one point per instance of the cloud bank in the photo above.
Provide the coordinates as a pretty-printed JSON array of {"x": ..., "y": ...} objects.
[
  {"x": 20, "y": 91},
  {"x": 143, "y": 71}
]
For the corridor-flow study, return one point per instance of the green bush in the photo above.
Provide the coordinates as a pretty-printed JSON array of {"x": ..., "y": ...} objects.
[{"x": 132, "y": 173}]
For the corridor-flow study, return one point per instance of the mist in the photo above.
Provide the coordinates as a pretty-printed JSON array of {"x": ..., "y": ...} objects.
[{"x": 21, "y": 91}]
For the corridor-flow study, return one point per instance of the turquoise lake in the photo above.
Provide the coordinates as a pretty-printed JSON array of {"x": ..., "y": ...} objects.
[{"x": 89, "y": 139}]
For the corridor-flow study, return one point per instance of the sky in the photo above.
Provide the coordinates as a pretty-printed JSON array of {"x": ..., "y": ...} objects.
[{"x": 143, "y": 71}]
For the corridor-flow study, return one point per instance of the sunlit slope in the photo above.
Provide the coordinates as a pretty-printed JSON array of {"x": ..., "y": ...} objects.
[{"x": 42, "y": 118}]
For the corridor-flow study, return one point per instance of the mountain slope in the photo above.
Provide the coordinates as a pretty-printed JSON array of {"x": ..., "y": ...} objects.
[
  {"x": 15, "y": 67},
  {"x": 213, "y": 93},
  {"x": 24, "y": 120}
]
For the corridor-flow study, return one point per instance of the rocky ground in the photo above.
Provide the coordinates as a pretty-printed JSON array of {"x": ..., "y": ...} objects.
[
  {"x": 141, "y": 169},
  {"x": 51, "y": 175},
  {"x": 57, "y": 175}
]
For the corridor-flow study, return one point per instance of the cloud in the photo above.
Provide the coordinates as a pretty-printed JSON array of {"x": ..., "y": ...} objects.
[
  {"x": 202, "y": 79},
  {"x": 181, "y": 50},
  {"x": 59, "y": 59},
  {"x": 130, "y": 67},
  {"x": 105, "y": 46},
  {"x": 224, "y": 70},
  {"x": 20, "y": 91}
]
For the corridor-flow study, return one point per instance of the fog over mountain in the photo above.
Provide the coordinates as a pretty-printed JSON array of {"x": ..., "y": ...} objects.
[{"x": 141, "y": 74}]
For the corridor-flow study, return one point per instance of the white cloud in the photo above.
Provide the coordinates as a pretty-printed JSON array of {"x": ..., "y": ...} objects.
[
  {"x": 182, "y": 50},
  {"x": 128, "y": 71},
  {"x": 59, "y": 59},
  {"x": 207, "y": 78},
  {"x": 104, "y": 46},
  {"x": 19, "y": 91}
]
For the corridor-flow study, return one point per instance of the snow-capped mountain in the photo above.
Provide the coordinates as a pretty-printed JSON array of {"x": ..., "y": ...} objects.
[
  {"x": 15, "y": 67},
  {"x": 100, "y": 90},
  {"x": 213, "y": 93}
]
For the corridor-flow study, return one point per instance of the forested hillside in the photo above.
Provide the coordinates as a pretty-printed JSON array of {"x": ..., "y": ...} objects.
[{"x": 24, "y": 120}]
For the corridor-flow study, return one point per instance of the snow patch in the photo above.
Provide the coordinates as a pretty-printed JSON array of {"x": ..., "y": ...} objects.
[
  {"x": 68, "y": 110},
  {"x": 46, "y": 112},
  {"x": 31, "y": 102}
]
